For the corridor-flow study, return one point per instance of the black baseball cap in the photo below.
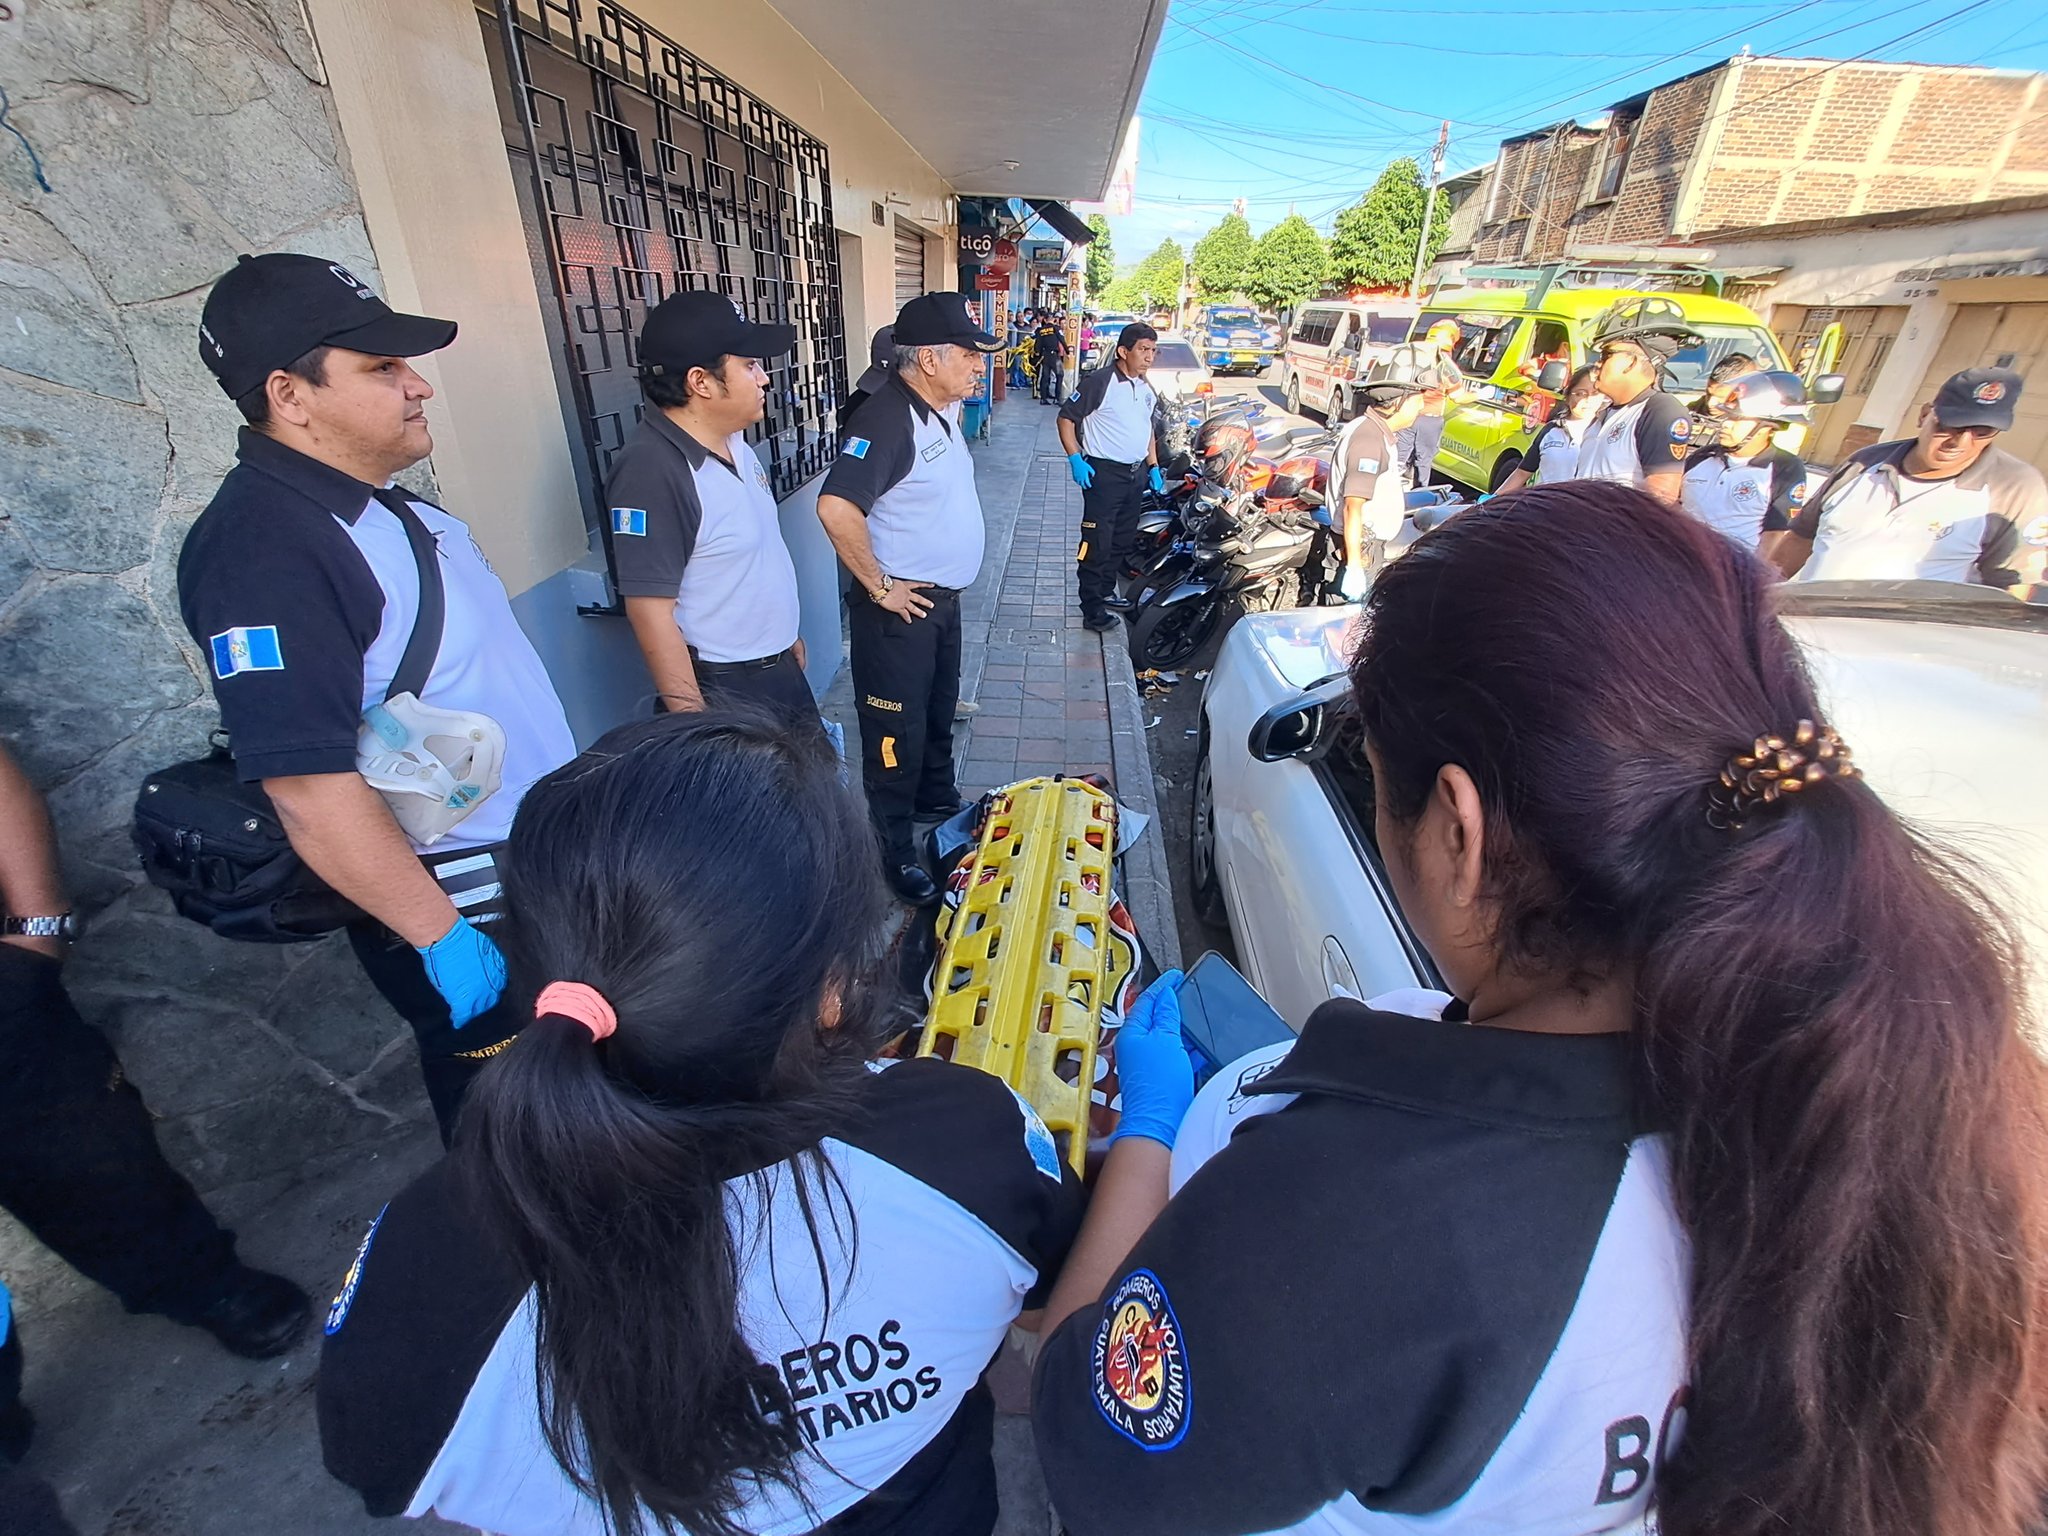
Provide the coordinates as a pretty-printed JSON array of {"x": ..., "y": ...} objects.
[
  {"x": 881, "y": 358},
  {"x": 1978, "y": 397},
  {"x": 694, "y": 329},
  {"x": 934, "y": 319},
  {"x": 267, "y": 312}
]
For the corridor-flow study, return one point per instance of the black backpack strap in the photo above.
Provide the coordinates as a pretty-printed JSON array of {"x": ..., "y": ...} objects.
[{"x": 425, "y": 642}]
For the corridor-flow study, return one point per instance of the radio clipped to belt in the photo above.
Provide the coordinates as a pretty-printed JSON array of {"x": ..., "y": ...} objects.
[{"x": 432, "y": 766}]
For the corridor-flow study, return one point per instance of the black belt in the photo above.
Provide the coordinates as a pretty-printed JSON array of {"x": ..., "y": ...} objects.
[
  {"x": 758, "y": 664},
  {"x": 1115, "y": 463}
]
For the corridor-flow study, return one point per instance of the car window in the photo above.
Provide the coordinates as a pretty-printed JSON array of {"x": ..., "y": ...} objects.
[
  {"x": 1482, "y": 342},
  {"x": 1317, "y": 327},
  {"x": 1386, "y": 330},
  {"x": 1234, "y": 316},
  {"x": 1687, "y": 372},
  {"x": 1548, "y": 341},
  {"x": 1175, "y": 354}
]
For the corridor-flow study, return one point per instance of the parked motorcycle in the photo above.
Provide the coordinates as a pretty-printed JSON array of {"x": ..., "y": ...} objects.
[{"x": 1247, "y": 557}]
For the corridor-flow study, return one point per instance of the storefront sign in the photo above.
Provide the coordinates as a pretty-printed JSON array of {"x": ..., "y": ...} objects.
[
  {"x": 992, "y": 282},
  {"x": 1045, "y": 251},
  {"x": 977, "y": 244},
  {"x": 1002, "y": 259}
]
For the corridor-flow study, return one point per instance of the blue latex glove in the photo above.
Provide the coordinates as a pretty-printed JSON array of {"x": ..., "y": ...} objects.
[
  {"x": 466, "y": 969},
  {"x": 1153, "y": 1066},
  {"x": 1084, "y": 472},
  {"x": 1155, "y": 479},
  {"x": 1486, "y": 498}
]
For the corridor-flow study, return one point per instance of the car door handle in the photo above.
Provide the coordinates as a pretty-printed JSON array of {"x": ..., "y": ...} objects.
[{"x": 1338, "y": 975}]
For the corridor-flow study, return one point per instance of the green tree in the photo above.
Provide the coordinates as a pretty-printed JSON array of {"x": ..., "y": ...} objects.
[
  {"x": 1373, "y": 244},
  {"x": 1101, "y": 271},
  {"x": 1156, "y": 283},
  {"x": 1289, "y": 264},
  {"x": 1223, "y": 258}
]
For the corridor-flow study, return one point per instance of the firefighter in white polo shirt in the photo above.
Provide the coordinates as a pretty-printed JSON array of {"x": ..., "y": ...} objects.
[
  {"x": 899, "y": 505},
  {"x": 1946, "y": 504}
]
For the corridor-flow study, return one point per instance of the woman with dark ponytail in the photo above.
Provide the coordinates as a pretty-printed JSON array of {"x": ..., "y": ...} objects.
[
  {"x": 697, "y": 1263},
  {"x": 1712, "y": 1204}
]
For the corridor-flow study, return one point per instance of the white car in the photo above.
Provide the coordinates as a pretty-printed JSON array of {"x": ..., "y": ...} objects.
[
  {"x": 1178, "y": 373},
  {"x": 1942, "y": 690}
]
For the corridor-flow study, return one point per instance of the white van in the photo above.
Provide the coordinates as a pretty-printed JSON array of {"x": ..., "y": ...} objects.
[{"x": 1332, "y": 344}]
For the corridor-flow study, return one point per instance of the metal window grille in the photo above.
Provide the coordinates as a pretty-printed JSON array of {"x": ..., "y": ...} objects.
[{"x": 651, "y": 173}]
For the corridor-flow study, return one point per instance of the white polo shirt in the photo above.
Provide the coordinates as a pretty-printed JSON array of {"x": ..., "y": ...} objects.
[
  {"x": 1113, "y": 414},
  {"x": 300, "y": 588},
  {"x": 1744, "y": 498},
  {"x": 1626, "y": 444},
  {"x": 907, "y": 467},
  {"x": 1871, "y": 521},
  {"x": 703, "y": 528}
]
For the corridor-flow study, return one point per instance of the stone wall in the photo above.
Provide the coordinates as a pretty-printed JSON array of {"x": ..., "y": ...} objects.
[{"x": 175, "y": 134}]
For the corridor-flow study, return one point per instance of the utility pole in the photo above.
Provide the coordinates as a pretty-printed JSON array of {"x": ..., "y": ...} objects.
[{"x": 1436, "y": 171}]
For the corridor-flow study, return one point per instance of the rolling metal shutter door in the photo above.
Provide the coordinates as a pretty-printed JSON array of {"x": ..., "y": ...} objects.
[{"x": 909, "y": 263}]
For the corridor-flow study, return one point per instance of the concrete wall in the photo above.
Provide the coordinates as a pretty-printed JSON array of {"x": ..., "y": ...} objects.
[{"x": 1890, "y": 264}]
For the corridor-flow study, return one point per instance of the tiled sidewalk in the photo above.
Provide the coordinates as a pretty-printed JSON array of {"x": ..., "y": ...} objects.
[{"x": 1042, "y": 692}]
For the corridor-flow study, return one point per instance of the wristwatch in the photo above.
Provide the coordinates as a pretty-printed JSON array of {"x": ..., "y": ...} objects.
[
  {"x": 65, "y": 926},
  {"x": 878, "y": 595}
]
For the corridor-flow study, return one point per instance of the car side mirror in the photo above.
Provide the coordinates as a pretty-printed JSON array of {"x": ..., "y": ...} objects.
[
  {"x": 1827, "y": 389},
  {"x": 1298, "y": 726},
  {"x": 1553, "y": 377}
]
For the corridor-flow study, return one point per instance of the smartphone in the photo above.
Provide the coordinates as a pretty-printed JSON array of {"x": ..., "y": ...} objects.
[{"x": 1222, "y": 1017}]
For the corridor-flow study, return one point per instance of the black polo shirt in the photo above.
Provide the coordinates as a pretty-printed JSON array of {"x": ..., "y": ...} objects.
[
  {"x": 907, "y": 467},
  {"x": 702, "y": 528},
  {"x": 1416, "y": 1275},
  {"x": 300, "y": 590}
]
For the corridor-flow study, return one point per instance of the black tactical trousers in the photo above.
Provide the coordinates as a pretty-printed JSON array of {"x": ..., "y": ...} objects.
[
  {"x": 79, "y": 1162},
  {"x": 1109, "y": 528},
  {"x": 906, "y": 685}
]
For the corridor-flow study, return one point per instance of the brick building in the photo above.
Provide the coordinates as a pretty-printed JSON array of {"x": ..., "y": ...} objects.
[{"x": 1758, "y": 141}]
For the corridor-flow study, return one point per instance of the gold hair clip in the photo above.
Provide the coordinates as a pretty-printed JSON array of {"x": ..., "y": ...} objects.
[{"x": 1774, "y": 767}]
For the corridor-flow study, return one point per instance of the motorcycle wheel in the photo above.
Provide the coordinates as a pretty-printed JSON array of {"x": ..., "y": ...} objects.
[{"x": 1165, "y": 637}]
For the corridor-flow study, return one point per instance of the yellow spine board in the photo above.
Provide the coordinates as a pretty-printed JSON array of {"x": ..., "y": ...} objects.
[{"x": 1026, "y": 962}]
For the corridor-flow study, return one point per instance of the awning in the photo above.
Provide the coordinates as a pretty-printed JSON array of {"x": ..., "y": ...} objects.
[{"x": 1063, "y": 219}]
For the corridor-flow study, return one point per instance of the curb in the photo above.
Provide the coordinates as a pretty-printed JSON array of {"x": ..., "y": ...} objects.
[{"x": 1147, "y": 883}]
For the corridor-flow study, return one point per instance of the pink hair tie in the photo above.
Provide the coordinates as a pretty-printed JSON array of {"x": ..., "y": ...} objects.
[{"x": 579, "y": 1001}]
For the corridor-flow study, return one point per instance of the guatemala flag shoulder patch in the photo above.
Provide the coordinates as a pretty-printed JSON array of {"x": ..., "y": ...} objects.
[
  {"x": 632, "y": 520},
  {"x": 856, "y": 448},
  {"x": 246, "y": 650}
]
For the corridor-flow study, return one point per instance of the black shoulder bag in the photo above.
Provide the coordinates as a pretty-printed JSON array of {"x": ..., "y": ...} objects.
[{"x": 216, "y": 844}]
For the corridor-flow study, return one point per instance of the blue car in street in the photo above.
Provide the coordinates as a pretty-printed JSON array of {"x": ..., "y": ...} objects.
[{"x": 1236, "y": 338}]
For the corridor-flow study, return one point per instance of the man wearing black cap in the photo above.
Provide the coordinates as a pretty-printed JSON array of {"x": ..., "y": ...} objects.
[
  {"x": 301, "y": 583},
  {"x": 1112, "y": 446},
  {"x": 1643, "y": 436},
  {"x": 697, "y": 546},
  {"x": 900, "y": 507},
  {"x": 1946, "y": 504},
  {"x": 1366, "y": 468}
]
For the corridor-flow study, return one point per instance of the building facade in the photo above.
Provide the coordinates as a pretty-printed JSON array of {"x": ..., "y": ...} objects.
[
  {"x": 1919, "y": 294},
  {"x": 1759, "y": 141},
  {"x": 540, "y": 171}
]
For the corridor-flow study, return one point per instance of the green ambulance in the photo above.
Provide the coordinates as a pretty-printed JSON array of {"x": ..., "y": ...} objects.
[{"x": 1540, "y": 316}]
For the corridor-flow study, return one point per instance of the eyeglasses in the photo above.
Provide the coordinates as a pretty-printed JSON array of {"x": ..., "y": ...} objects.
[
  {"x": 1618, "y": 354},
  {"x": 1976, "y": 434}
]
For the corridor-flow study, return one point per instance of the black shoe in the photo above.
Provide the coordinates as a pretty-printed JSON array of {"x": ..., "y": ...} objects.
[
  {"x": 257, "y": 1315},
  {"x": 1116, "y": 604},
  {"x": 1099, "y": 622},
  {"x": 914, "y": 886},
  {"x": 17, "y": 1429}
]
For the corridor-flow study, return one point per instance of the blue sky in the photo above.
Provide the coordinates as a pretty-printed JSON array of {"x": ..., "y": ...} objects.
[{"x": 1302, "y": 102}]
